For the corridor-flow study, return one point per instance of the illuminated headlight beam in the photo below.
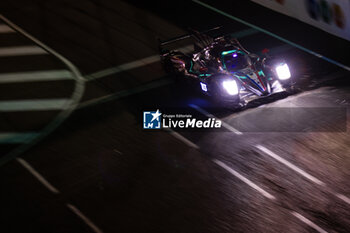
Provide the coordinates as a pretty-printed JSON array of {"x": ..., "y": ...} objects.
[
  {"x": 231, "y": 87},
  {"x": 283, "y": 71}
]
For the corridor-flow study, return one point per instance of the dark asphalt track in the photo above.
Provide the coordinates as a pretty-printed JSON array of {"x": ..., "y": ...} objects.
[{"x": 125, "y": 179}]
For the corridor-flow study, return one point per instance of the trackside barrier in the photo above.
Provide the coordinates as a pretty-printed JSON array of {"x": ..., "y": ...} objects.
[{"x": 332, "y": 16}]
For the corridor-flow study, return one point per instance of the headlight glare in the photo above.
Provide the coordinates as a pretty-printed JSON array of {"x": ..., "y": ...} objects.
[
  {"x": 283, "y": 71},
  {"x": 231, "y": 87}
]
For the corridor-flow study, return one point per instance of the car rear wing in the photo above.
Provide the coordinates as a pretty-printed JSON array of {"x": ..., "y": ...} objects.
[
  {"x": 186, "y": 36},
  {"x": 201, "y": 40},
  {"x": 192, "y": 33}
]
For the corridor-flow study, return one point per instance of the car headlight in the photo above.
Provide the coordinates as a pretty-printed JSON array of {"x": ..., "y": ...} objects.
[
  {"x": 283, "y": 71},
  {"x": 231, "y": 87}
]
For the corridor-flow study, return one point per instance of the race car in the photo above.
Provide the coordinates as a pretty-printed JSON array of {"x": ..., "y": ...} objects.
[{"x": 223, "y": 69}]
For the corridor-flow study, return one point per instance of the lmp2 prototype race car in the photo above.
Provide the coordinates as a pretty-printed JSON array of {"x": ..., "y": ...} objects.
[{"x": 223, "y": 69}]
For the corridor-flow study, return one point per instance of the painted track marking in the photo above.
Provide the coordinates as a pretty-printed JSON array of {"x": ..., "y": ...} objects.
[
  {"x": 6, "y": 29},
  {"x": 244, "y": 33},
  {"x": 71, "y": 105},
  {"x": 36, "y": 76},
  {"x": 290, "y": 165},
  {"x": 245, "y": 180},
  {"x": 227, "y": 126},
  {"x": 37, "y": 175},
  {"x": 21, "y": 51},
  {"x": 15, "y": 138},
  {"x": 308, "y": 222},
  {"x": 34, "y": 105},
  {"x": 84, "y": 218},
  {"x": 125, "y": 93},
  {"x": 182, "y": 138},
  {"x": 343, "y": 198},
  {"x": 124, "y": 67}
]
